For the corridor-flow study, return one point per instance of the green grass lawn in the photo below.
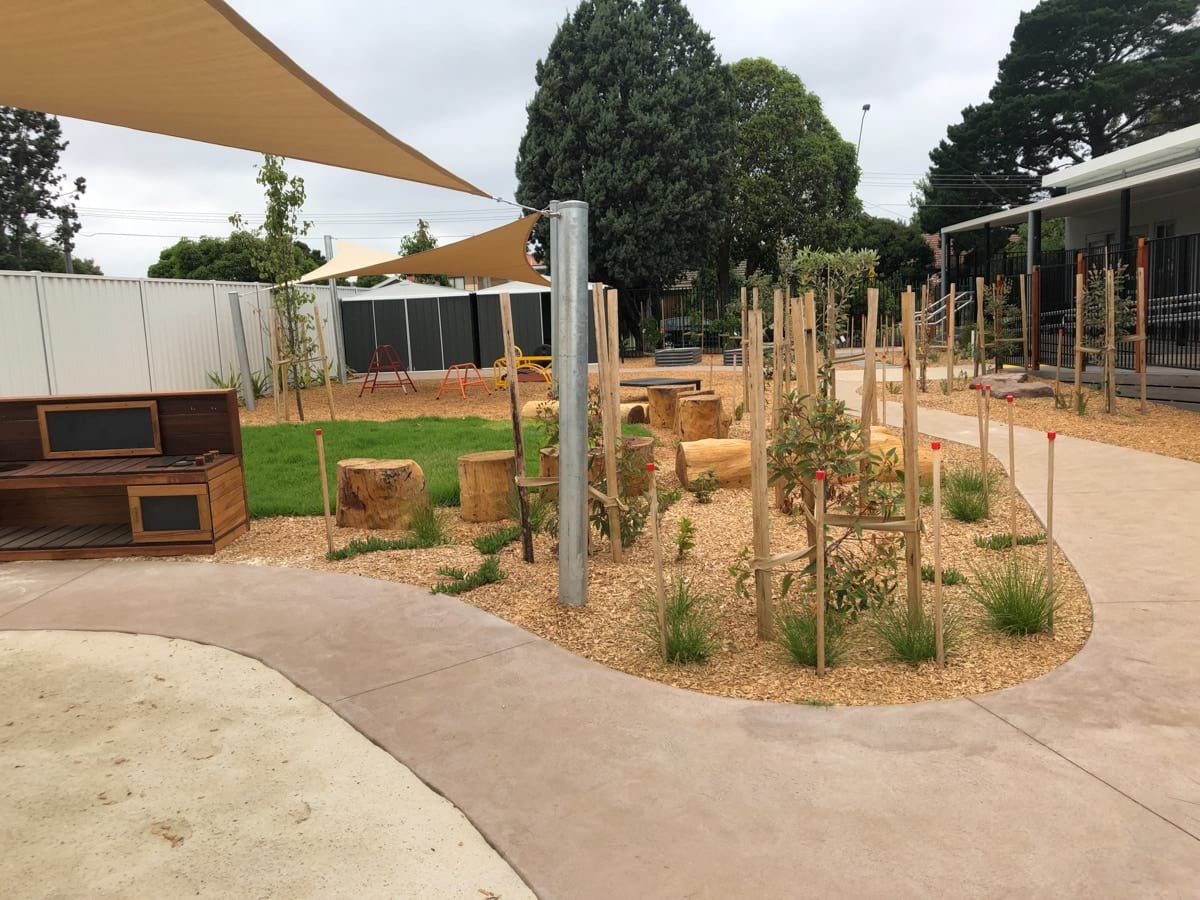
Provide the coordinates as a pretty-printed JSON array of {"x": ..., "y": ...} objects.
[{"x": 281, "y": 460}]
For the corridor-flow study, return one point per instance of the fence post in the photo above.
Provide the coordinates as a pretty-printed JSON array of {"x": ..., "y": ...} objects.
[
  {"x": 335, "y": 313},
  {"x": 44, "y": 322},
  {"x": 239, "y": 345},
  {"x": 572, "y": 451},
  {"x": 1035, "y": 318}
]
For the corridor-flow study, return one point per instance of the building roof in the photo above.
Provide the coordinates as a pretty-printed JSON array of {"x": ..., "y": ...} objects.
[
  {"x": 1156, "y": 153},
  {"x": 1098, "y": 198},
  {"x": 406, "y": 290}
]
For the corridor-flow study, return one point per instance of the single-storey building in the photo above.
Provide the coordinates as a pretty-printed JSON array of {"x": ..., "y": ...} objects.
[{"x": 1149, "y": 191}]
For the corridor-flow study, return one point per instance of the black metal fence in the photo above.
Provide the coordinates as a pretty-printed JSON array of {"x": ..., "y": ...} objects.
[
  {"x": 1172, "y": 292},
  {"x": 700, "y": 316}
]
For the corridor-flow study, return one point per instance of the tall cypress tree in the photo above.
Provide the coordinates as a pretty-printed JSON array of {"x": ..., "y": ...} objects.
[{"x": 633, "y": 113}]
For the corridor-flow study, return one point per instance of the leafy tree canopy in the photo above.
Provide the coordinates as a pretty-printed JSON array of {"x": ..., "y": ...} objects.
[
  {"x": 1081, "y": 78},
  {"x": 418, "y": 242},
  {"x": 794, "y": 178},
  {"x": 633, "y": 113},
  {"x": 39, "y": 256},
  {"x": 224, "y": 259},
  {"x": 31, "y": 188},
  {"x": 901, "y": 247}
]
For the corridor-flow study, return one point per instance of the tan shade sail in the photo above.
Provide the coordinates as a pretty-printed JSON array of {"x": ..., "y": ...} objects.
[
  {"x": 348, "y": 256},
  {"x": 499, "y": 253},
  {"x": 192, "y": 69}
]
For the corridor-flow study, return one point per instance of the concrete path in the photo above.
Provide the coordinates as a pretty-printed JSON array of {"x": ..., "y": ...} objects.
[{"x": 596, "y": 784}]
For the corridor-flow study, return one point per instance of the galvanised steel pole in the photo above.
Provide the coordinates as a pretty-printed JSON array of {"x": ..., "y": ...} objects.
[
  {"x": 571, "y": 277},
  {"x": 555, "y": 337},
  {"x": 335, "y": 312}
]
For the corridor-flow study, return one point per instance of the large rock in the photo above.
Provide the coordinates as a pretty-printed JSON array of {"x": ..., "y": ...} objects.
[{"x": 1019, "y": 384}]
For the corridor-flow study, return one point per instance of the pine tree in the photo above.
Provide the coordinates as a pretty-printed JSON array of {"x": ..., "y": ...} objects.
[
  {"x": 31, "y": 188},
  {"x": 633, "y": 113}
]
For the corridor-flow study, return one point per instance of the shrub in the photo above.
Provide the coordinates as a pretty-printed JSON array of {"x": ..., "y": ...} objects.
[
  {"x": 1004, "y": 541},
  {"x": 739, "y": 411},
  {"x": 965, "y": 493},
  {"x": 913, "y": 639},
  {"x": 495, "y": 541},
  {"x": 429, "y": 526},
  {"x": 668, "y": 498},
  {"x": 1015, "y": 596},
  {"x": 705, "y": 485},
  {"x": 462, "y": 581},
  {"x": 689, "y": 623},
  {"x": 950, "y": 577},
  {"x": 798, "y": 636},
  {"x": 685, "y": 538},
  {"x": 373, "y": 545}
]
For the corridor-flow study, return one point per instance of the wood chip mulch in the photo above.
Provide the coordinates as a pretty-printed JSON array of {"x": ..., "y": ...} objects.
[
  {"x": 1165, "y": 430},
  {"x": 610, "y": 628}
]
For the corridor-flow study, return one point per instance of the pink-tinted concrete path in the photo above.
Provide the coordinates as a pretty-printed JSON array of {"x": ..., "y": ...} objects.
[{"x": 595, "y": 784}]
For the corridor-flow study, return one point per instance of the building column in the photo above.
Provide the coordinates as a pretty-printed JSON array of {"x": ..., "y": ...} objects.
[
  {"x": 1033, "y": 243},
  {"x": 1123, "y": 221},
  {"x": 987, "y": 253}
]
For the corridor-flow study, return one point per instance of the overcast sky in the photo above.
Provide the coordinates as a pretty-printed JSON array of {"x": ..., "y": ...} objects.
[{"x": 452, "y": 79}]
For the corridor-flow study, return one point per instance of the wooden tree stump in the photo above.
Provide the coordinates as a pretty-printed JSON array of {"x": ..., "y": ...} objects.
[
  {"x": 642, "y": 451},
  {"x": 485, "y": 485},
  {"x": 698, "y": 416},
  {"x": 634, "y": 413},
  {"x": 379, "y": 493},
  {"x": 729, "y": 458},
  {"x": 662, "y": 404},
  {"x": 548, "y": 468}
]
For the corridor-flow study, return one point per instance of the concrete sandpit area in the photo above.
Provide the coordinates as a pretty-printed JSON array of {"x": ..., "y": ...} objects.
[{"x": 138, "y": 766}]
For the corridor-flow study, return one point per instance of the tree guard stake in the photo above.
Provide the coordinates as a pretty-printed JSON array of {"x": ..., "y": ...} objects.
[
  {"x": 1050, "y": 435},
  {"x": 938, "y": 624}
]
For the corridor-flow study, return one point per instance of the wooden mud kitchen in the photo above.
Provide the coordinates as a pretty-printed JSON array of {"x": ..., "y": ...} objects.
[{"x": 156, "y": 474}]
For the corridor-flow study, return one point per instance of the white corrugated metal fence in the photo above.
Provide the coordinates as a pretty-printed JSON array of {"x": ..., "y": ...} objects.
[{"x": 90, "y": 334}]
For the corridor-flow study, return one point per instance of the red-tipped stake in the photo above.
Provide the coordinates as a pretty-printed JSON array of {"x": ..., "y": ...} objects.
[
  {"x": 320, "y": 435},
  {"x": 660, "y": 585},
  {"x": 1012, "y": 475},
  {"x": 938, "y": 620},
  {"x": 819, "y": 560},
  {"x": 1050, "y": 435}
]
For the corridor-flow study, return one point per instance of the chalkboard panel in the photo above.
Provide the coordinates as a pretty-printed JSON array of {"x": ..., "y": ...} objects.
[
  {"x": 128, "y": 428},
  {"x": 171, "y": 512}
]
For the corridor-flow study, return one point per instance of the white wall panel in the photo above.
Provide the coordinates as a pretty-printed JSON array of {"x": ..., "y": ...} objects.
[
  {"x": 96, "y": 334},
  {"x": 22, "y": 355},
  {"x": 181, "y": 327}
]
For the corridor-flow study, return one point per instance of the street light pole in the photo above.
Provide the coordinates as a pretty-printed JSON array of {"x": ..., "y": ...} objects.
[{"x": 866, "y": 107}]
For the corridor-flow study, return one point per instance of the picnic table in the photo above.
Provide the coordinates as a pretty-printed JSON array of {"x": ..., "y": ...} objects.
[{"x": 653, "y": 381}]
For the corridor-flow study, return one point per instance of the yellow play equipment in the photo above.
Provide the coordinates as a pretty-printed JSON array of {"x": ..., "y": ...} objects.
[{"x": 529, "y": 368}]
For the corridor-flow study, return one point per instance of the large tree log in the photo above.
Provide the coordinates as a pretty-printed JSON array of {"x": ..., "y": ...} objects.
[
  {"x": 485, "y": 485},
  {"x": 662, "y": 404},
  {"x": 634, "y": 413},
  {"x": 729, "y": 458},
  {"x": 379, "y": 493},
  {"x": 883, "y": 441},
  {"x": 698, "y": 416}
]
